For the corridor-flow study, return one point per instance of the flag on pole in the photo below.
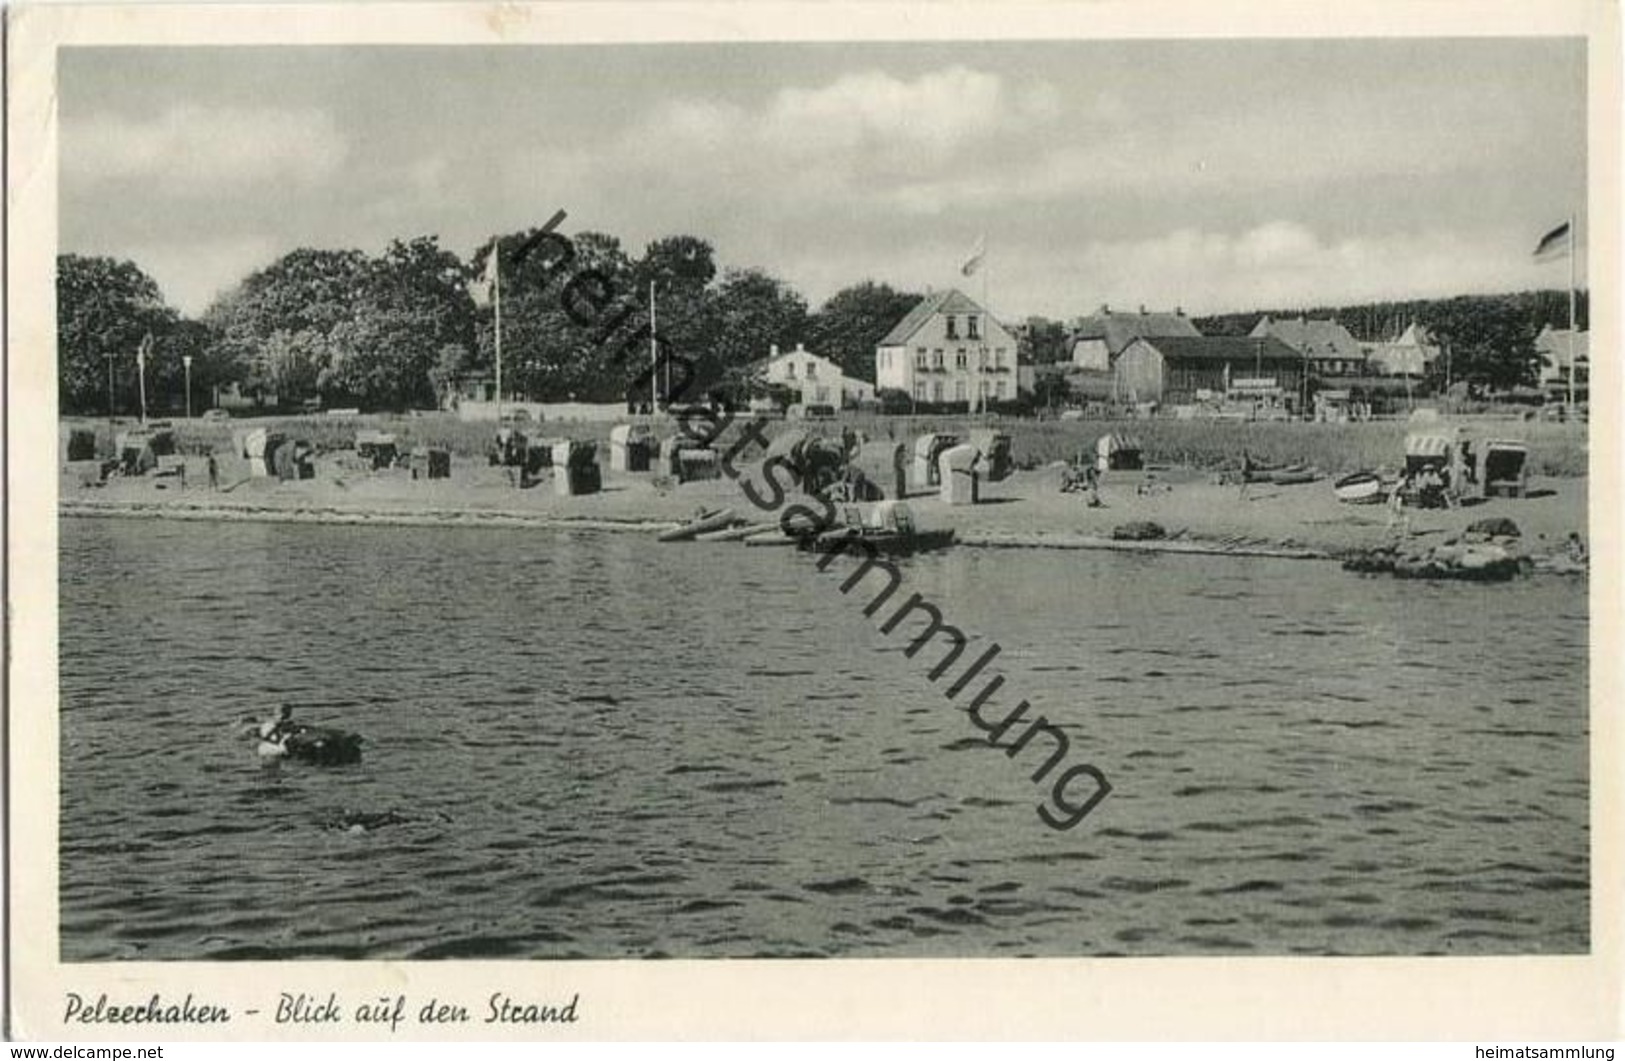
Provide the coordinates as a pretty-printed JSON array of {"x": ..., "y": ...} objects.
[
  {"x": 485, "y": 286},
  {"x": 1554, "y": 242},
  {"x": 974, "y": 262}
]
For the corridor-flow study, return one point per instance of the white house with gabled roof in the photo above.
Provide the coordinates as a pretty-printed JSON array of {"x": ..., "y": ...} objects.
[
  {"x": 949, "y": 349},
  {"x": 817, "y": 380}
]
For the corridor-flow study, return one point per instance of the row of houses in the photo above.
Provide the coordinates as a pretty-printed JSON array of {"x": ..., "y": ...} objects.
[{"x": 949, "y": 350}]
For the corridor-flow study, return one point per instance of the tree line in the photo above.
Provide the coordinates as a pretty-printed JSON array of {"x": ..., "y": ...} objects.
[
  {"x": 397, "y": 330},
  {"x": 1490, "y": 338}
]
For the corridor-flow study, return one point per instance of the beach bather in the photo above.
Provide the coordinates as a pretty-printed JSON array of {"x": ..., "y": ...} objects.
[
  {"x": 276, "y": 730},
  {"x": 1398, "y": 518}
]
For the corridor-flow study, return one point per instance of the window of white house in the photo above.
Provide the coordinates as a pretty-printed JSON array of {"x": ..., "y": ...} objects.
[
  {"x": 998, "y": 389},
  {"x": 959, "y": 390},
  {"x": 919, "y": 391},
  {"x": 970, "y": 328},
  {"x": 936, "y": 391},
  {"x": 789, "y": 370},
  {"x": 959, "y": 358},
  {"x": 822, "y": 394},
  {"x": 953, "y": 328},
  {"x": 998, "y": 357},
  {"x": 812, "y": 370},
  {"x": 986, "y": 388},
  {"x": 919, "y": 358},
  {"x": 936, "y": 359}
]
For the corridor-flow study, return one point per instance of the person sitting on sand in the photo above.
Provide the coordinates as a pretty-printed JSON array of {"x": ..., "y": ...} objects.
[
  {"x": 1575, "y": 548},
  {"x": 1091, "y": 476}
]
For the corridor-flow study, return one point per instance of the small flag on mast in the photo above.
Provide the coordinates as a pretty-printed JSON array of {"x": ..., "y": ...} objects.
[
  {"x": 974, "y": 262},
  {"x": 1554, "y": 242},
  {"x": 485, "y": 286}
]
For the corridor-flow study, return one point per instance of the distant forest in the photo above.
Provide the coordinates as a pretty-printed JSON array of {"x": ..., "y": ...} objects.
[{"x": 1374, "y": 322}]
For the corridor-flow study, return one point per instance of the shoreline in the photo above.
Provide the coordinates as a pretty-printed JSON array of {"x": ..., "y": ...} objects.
[
  {"x": 1026, "y": 510},
  {"x": 380, "y": 517},
  {"x": 199, "y": 513}
]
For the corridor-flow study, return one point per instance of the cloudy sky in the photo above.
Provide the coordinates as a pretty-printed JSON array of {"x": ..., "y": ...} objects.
[{"x": 1213, "y": 175}]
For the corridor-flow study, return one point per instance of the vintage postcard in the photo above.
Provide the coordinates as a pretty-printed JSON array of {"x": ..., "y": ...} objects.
[{"x": 617, "y": 521}]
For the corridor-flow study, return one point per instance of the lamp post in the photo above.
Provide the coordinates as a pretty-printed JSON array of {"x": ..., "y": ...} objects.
[
  {"x": 112, "y": 432},
  {"x": 186, "y": 360}
]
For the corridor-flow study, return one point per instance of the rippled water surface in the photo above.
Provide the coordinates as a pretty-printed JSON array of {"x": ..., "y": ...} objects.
[{"x": 583, "y": 744}]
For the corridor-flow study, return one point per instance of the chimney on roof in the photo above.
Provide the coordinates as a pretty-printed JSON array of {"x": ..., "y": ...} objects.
[
  {"x": 1179, "y": 311},
  {"x": 773, "y": 350},
  {"x": 1142, "y": 309},
  {"x": 800, "y": 349}
]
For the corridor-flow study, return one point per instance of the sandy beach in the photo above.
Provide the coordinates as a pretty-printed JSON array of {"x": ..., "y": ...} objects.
[{"x": 1026, "y": 509}]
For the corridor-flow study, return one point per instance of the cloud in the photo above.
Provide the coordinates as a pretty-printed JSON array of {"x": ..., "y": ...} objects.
[
  {"x": 199, "y": 150},
  {"x": 934, "y": 115},
  {"x": 1278, "y": 264},
  {"x": 1281, "y": 264},
  {"x": 862, "y": 131},
  {"x": 190, "y": 273}
]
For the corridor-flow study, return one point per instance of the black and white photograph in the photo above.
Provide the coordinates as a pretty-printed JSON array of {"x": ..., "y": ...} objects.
[{"x": 923, "y": 495}]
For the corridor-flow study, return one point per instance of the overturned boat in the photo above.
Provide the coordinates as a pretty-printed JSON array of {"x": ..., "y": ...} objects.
[
  {"x": 706, "y": 522},
  {"x": 884, "y": 528},
  {"x": 1360, "y": 488}
]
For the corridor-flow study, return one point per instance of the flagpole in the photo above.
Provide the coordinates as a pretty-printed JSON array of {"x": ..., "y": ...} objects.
[
  {"x": 141, "y": 366},
  {"x": 987, "y": 322},
  {"x": 496, "y": 299},
  {"x": 981, "y": 355},
  {"x": 1573, "y": 239},
  {"x": 654, "y": 357}
]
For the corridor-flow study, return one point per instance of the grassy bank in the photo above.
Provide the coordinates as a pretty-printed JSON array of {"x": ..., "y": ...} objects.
[{"x": 1558, "y": 449}]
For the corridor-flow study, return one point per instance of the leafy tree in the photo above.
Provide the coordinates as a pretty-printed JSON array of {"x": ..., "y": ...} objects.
[
  {"x": 554, "y": 316},
  {"x": 677, "y": 263},
  {"x": 1050, "y": 389},
  {"x": 412, "y": 302},
  {"x": 356, "y": 330},
  {"x": 103, "y": 309},
  {"x": 453, "y": 360},
  {"x": 1492, "y": 340},
  {"x": 291, "y": 363},
  {"x": 848, "y": 326},
  {"x": 1043, "y": 342},
  {"x": 682, "y": 269},
  {"x": 750, "y": 312},
  {"x": 304, "y": 294},
  {"x": 166, "y": 371}
]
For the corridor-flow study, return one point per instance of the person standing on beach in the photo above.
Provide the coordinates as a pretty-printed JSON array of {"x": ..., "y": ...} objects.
[
  {"x": 1246, "y": 474},
  {"x": 214, "y": 472},
  {"x": 1397, "y": 517}
]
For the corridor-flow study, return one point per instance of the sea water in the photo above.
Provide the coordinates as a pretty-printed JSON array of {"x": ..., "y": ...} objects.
[{"x": 588, "y": 745}]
